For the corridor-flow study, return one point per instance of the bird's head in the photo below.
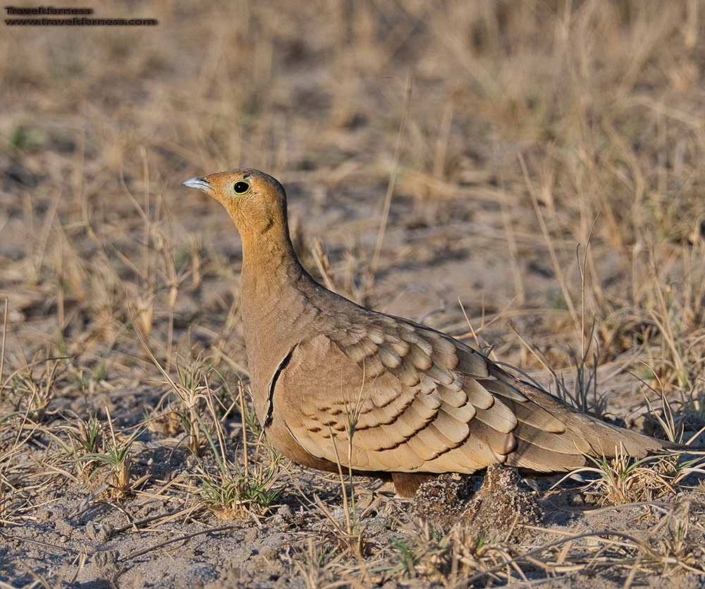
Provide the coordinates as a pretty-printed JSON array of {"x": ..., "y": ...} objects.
[{"x": 254, "y": 200}]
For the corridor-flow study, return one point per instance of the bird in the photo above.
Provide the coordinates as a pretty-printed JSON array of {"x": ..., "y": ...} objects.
[{"x": 338, "y": 386}]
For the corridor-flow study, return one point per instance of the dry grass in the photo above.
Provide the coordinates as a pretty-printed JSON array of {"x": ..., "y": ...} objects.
[{"x": 540, "y": 162}]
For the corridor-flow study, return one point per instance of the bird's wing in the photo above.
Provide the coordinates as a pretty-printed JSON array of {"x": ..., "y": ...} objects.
[{"x": 385, "y": 394}]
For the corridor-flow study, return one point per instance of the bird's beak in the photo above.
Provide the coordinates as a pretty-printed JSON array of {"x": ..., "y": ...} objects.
[{"x": 198, "y": 184}]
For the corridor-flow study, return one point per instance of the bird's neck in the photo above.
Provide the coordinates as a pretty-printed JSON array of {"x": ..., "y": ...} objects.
[
  {"x": 274, "y": 289},
  {"x": 270, "y": 267}
]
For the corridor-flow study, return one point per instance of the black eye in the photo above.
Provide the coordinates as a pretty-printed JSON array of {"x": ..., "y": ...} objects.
[{"x": 241, "y": 187}]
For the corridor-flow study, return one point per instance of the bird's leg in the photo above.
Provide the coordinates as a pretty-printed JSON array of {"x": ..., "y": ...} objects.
[{"x": 406, "y": 484}]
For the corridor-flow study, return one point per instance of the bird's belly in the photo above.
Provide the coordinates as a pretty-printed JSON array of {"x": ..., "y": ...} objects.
[{"x": 281, "y": 439}]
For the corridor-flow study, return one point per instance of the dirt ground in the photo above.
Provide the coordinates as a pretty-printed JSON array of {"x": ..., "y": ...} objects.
[{"x": 526, "y": 176}]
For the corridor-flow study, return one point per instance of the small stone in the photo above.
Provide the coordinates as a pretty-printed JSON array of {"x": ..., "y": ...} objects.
[
  {"x": 250, "y": 535},
  {"x": 268, "y": 553},
  {"x": 98, "y": 533},
  {"x": 576, "y": 500}
]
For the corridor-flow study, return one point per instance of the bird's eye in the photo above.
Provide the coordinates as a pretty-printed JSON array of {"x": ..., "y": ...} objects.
[{"x": 241, "y": 187}]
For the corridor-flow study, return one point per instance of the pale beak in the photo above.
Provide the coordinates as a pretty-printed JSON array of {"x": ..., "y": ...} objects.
[{"x": 198, "y": 184}]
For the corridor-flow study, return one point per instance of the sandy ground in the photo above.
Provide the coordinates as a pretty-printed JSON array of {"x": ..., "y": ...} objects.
[{"x": 529, "y": 131}]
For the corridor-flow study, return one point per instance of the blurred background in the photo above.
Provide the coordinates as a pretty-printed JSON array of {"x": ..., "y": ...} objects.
[
  {"x": 526, "y": 175},
  {"x": 438, "y": 156},
  {"x": 502, "y": 136}
]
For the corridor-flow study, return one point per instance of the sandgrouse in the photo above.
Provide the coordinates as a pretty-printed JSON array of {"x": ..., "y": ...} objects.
[{"x": 335, "y": 383}]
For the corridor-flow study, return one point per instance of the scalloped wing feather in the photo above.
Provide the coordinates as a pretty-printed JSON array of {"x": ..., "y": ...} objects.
[{"x": 413, "y": 399}]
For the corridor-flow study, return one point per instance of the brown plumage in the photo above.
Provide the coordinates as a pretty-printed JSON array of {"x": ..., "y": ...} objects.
[{"x": 414, "y": 401}]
